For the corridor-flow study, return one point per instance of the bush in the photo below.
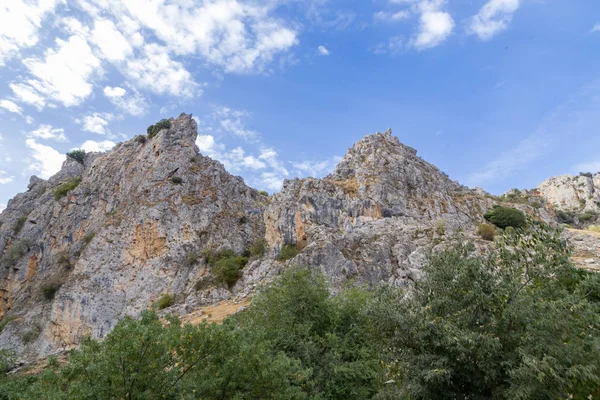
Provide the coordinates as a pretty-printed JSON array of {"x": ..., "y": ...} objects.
[
  {"x": 211, "y": 257},
  {"x": 503, "y": 217},
  {"x": 6, "y": 320},
  {"x": 588, "y": 216},
  {"x": 229, "y": 270},
  {"x": 49, "y": 290},
  {"x": 177, "y": 180},
  {"x": 15, "y": 252},
  {"x": 498, "y": 326},
  {"x": 64, "y": 188},
  {"x": 77, "y": 155},
  {"x": 565, "y": 217},
  {"x": 31, "y": 334},
  {"x": 586, "y": 174},
  {"x": 19, "y": 225},
  {"x": 288, "y": 252},
  {"x": 486, "y": 231},
  {"x": 141, "y": 139},
  {"x": 258, "y": 248},
  {"x": 166, "y": 300},
  {"x": 87, "y": 239},
  {"x": 160, "y": 125},
  {"x": 63, "y": 260},
  {"x": 264, "y": 193}
]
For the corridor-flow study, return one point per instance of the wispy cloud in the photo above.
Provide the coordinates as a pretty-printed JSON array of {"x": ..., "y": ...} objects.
[
  {"x": 596, "y": 28},
  {"x": 576, "y": 114},
  {"x": 493, "y": 18}
]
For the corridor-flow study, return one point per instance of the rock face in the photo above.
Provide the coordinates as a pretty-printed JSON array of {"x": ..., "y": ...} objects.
[
  {"x": 137, "y": 219},
  {"x": 119, "y": 240},
  {"x": 375, "y": 218},
  {"x": 579, "y": 194}
]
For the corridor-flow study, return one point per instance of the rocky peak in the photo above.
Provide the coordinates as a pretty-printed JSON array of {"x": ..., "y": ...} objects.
[{"x": 573, "y": 193}]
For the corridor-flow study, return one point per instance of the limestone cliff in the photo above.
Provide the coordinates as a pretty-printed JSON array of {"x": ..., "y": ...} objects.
[
  {"x": 119, "y": 240},
  {"x": 107, "y": 236}
]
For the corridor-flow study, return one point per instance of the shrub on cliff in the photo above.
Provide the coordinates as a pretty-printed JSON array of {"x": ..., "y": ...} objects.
[
  {"x": 77, "y": 155},
  {"x": 64, "y": 188},
  {"x": 486, "y": 231},
  {"x": 160, "y": 125},
  {"x": 288, "y": 252},
  {"x": 504, "y": 217},
  {"x": 229, "y": 269}
]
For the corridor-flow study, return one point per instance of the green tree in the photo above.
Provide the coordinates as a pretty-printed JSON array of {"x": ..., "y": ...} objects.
[
  {"x": 504, "y": 217},
  {"x": 521, "y": 323}
]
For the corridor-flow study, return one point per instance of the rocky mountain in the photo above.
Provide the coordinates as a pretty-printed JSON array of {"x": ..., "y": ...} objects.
[
  {"x": 580, "y": 194},
  {"x": 111, "y": 233}
]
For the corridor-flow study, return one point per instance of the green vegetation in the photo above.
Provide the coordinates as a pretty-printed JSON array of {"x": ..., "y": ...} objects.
[
  {"x": 486, "y": 231},
  {"x": 177, "y": 180},
  {"x": 594, "y": 228},
  {"x": 164, "y": 301},
  {"x": 518, "y": 322},
  {"x": 6, "y": 320},
  {"x": 521, "y": 323},
  {"x": 64, "y": 188},
  {"x": 63, "y": 260},
  {"x": 288, "y": 252},
  {"x": 258, "y": 248},
  {"x": 141, "y": 139},
  {"x": 49, "y": 290},
  {"x": 87, "y": 239},
  {"x": 77, "y": 155},
  {"x": 586, "y": 174},
  {"x": 19, "y": 224},
  {"x": 31, "y": 335},
  {"x": 15, "y": 252},
  {"x": 229, "y": 269},
  {"x": 504, "y": 217},
  {"x": 160, "y": 125},
  {"x": 264, "y": 193}
]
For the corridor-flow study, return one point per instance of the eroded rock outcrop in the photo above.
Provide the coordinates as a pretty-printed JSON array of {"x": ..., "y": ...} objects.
[
  {"x": 120, "y": 239},
  {"x": 133, "y": 224}
]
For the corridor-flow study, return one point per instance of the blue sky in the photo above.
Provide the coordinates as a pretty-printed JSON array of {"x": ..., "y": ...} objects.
[{"x": 496, "y": 93}]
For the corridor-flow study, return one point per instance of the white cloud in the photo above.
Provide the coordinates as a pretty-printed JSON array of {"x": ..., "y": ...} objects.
[
  {"x": 323, "y": 50},
  {"x": 2, "y": 207},
  {"x": 157, "y": 72},
  {"x": 4, "y": 178},
  {"x": 392, "y": 16},
  {"x": 232, "y": 121},
  {"x": 596, "y": 28},
  {"x": 114, "y": 92},
  {"x": 64, "y": 75},
  {"x": 95, "y": 122},
  {"x": 393, "y": 46},
  {"x": 134, "y": 104},
  {"x": 47, "y": 132},
  {"x": 493, "y": 18},
  {"x": 208, "y": 146},
  {"x": 92, "y": 146},
  {"x": 434, "y": 28},
  {"x": 10, "y": 106},
  {"x": 29, "y": 120},
  {"x": 113, "y": 45},
  {"x": 527, "y": 151},
  {"x": 315, "y": 169},
  {"x": 19, "y": 24},
  {"x": 47, "y": 161}
]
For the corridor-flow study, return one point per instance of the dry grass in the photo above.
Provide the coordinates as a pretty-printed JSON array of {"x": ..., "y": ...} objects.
[
  {"x": 215, "y": 313},
  {"x": 349, "y": 186}
]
